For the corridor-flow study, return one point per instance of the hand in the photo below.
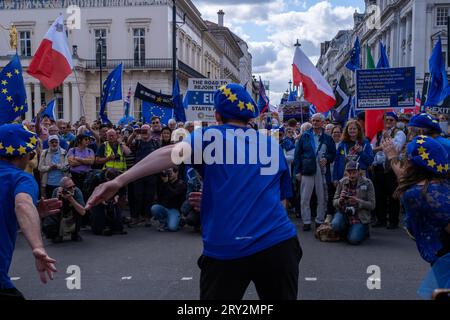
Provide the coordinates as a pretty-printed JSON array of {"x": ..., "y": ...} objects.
[
  {"x": 54, "y": 166},
  {"x": 389, "y": 149},
  {"x": 323, "y": 162},
  {"x": 342, "y": 196},
  {"x": 357, "y": 148},
  {"x": 298, "y": 176},
  {"x": 102, "y": 193},
  {"x": 195, "y": 199},
  {"x": 48, "y": 207},
  {"x": 44, "y": 264},
  {"x": 353, "y": 200}
]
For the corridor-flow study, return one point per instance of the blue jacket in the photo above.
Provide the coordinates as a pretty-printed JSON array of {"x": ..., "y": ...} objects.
[
  {"x": 365, "y": 158},
  {"x": 305, "y": 154}
]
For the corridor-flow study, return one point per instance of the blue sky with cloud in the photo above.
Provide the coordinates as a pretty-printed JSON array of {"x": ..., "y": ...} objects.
[{"x": 271, "y": 27}]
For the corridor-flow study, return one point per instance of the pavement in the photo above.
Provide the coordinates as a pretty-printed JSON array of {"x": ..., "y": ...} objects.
[{"x": 147, "y": 264}]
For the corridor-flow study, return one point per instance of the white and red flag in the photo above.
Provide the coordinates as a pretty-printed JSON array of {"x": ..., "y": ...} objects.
[
  {"x": 52, "y": 62},
  {"x": 315, "y": 88}
]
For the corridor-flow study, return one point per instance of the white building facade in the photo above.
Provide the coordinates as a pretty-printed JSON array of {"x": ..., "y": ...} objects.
[
  {"x": 408, "y": 28},
  {"x": 136, "y": 33}
]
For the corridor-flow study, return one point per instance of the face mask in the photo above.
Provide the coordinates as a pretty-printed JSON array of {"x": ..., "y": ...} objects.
[{"x": 444, "y": 126}]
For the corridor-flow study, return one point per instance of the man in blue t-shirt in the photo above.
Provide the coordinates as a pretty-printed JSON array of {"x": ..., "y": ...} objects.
[
  {"x": 247, "y": 235},
  {"x": 18, "y": 206}
]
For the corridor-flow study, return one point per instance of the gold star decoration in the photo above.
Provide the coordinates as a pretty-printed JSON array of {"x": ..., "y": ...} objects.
[
  {"x": 29, "y": 145},
  {"x": 232, "y": 97},
  {"x": 22, "y": 107},
  {"x": 222, "y": 88},
  {"x": 33, "y": 140},
  {"x": 4, "y": 82},
  {"x": 420, "y": 141},
  {"x": 5, "y": 91},
  {"x": 431, "y": 163},
  {"x": 227, "y": 91},
  {"x": 241, "y": 105},
  {"x": 22, "y": 150},
  {"x": 342, "y": 151},
  {"x": 440, "y": 168},
  {"x": 16, "y": 71},
  {"x": 1, "y": 146},
  {"x": 425, "y": 156},
  {"x": 421, "y": 150},
  {"x": 434, "y": 121},
  {"x": 9, "y": 74},
  {"x": 10, "y": 150},
  {"x": 9, "y": 98},
  {"x": 16, "y": 108},
  {"x": 159, "y": 99},
  {"x": 446, "y": 167},
  {"x": 250, "y": 106}
]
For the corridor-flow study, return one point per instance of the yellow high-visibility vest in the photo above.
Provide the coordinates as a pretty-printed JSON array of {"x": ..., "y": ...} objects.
[{"x": 119, "y": 164}]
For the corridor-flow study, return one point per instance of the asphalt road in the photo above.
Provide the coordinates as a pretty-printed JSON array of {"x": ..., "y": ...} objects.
[{"x": 147, "y": 264}]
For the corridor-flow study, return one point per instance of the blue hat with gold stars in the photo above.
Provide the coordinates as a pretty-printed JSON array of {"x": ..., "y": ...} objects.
[
  {"x": 424, "y": 120},
  {"x": 427, "y": 153},
  {"x": 234, "y": 102},
  {"x": 16, "y": 140}
]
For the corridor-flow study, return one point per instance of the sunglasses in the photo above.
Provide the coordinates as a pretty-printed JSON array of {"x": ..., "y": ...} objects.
[
  {"x": 155, "y": 122},
  {"x": 390, "y": 119}
]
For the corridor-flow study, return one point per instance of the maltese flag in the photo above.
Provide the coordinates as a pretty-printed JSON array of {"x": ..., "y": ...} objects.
[
  {"x": 52, "y": 62},
  {"x": 315, "y": 88}
]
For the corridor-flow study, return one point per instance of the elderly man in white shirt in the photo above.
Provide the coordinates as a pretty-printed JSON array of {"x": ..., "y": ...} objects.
[{"x": 384, "y": 179}]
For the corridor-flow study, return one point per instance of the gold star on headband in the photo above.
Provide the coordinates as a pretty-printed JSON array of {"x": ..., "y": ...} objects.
[
  {"x": 421, "y": 150},
  {"x": 10, "y": 150},
  {"x": 425, "y": 156},
  {"x": 431, "y": 163},
  {"x": 16, "y": 109},
  {"x": 227, "y": 91},
  {"x": 22, "y": 150},
  {"x": 440, "y": 168},
  {"x": 5, "y": 91},
  {"x": 33, "y": 140},
  {"x": 446, "y": 167},
  {"x": 9, "y": 98},
  {"x": 9, "y": 74},
  {"x": 232, "y": 97},
  {"x": 241, "y": 105},
  {"x": 4, "y": 82},
  {"x": 29, "y": 145},
  {"x": 222, "y": 88},
  {"x": 250, "y": 106}
]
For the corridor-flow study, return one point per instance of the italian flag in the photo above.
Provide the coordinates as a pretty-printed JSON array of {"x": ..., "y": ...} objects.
[{"x": 52, "y": 62}]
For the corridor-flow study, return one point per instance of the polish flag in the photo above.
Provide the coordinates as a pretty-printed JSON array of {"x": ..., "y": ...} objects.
[
  {"x": 315, "y": 88},
  {"x": 52, "y": 62}
]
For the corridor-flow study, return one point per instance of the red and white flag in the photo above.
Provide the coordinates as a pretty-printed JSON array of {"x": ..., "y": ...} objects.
[
  {"x": 52, "y": 62},
  {"x": 315, "y": 88}
]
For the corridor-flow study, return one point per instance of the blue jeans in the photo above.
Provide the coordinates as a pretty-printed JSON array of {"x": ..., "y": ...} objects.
[
  {"x": 356, "y": 233},
  {"x": 169, "y": 218}
]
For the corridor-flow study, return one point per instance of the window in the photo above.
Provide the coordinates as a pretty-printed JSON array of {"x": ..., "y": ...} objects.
[
  {"x": 441, "y": 16},
  {"x": 59, "y": 112},
  {"x": 100, "y": 47},
  {"x": 25, "y": 43},
  {"x": 137, "y": 111},
  {"x": 139, "y": 46}
]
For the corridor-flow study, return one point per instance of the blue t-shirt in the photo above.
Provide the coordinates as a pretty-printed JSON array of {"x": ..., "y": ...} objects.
[
  {"x": 241, "y": 210},
  {"x": 54, "y": 176},
  {"x": 14, "y": 181}
]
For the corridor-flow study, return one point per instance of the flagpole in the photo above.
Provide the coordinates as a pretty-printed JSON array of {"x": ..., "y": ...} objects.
[{"x": 83, "y": 112}]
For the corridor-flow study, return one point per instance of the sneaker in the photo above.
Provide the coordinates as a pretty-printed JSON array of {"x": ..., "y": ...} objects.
[{"x": 307, "y": 227}]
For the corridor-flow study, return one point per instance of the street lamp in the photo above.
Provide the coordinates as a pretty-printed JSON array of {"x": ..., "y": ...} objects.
[{"x": 290, "y": 85}]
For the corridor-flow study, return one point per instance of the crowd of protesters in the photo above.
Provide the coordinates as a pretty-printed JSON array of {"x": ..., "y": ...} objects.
[{"x": 342, "y": 181}]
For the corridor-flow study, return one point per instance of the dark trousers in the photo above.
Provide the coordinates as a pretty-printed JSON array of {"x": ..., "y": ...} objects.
[
  {"x": 331, "y": 191},
  {"x": 103, "y": 217},
  {"x": 11, "y": 294},
  {"x": 387, "y": 208},
  {"x": 49, "y": 191},
  {"x": 78, "y": 179},
  {"x": 274, "y": 271},
  {"x": 144, "y": 196},
  {"x": 131, "y": 195}
]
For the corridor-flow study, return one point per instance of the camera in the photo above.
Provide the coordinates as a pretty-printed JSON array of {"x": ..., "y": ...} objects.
[
  {"x": 351, "y": 211},
  {"x": 164, "y": 174},
  {"x": 138, "y": 131}
]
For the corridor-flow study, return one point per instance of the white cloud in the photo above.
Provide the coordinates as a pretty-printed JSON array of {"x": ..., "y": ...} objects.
[{"x": 273, "y": 56}]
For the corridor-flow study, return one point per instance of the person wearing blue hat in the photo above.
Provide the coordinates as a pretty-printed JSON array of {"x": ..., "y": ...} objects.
[
  {"x": 19, "y": 198},
  {"x": 247, "y": 235},
  {"x": 424, "y": 192},
  {"x": 425, "y": 124}
]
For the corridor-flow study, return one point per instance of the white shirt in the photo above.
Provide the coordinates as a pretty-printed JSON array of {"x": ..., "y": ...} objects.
[{"x": 399, "y": 141}]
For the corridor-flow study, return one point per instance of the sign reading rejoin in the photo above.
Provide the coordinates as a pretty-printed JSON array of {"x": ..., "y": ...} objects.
[{"x": 200, "y": 98}]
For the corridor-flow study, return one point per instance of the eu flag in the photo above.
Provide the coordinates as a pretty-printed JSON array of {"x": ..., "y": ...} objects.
[
  {"x": 13, "y": 98},
  {"x": 112, "y": 91},
  {"x": 355, "y": 62},
  {"x": 50, "y": 110},
  {"x": 383, "y": 62},
  {"x": 439, "y": 89},
  {"x": 150, "y": 110},
  {"x": 180, "y": 115}
]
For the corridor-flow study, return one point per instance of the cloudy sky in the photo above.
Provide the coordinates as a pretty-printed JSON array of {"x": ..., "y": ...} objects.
[{"x": 271, "y": 27}]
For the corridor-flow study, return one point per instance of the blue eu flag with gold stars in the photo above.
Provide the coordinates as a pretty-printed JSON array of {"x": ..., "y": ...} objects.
[
  {"x": 112, "y": 91},
  {"x": 13, "y": 98}
]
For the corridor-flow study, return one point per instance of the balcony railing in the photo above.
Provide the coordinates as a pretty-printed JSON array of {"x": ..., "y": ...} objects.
[{"x": 146, "y": 64}]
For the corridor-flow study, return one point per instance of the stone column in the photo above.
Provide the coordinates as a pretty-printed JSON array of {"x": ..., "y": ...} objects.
[
  {"x": 29, "y": 115},
  {"x": 37, "y": 96},
  {"x": 66, "y": 102},
  {"x": 408, "y": 38},
  {"x": 76, "y": 112}
]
